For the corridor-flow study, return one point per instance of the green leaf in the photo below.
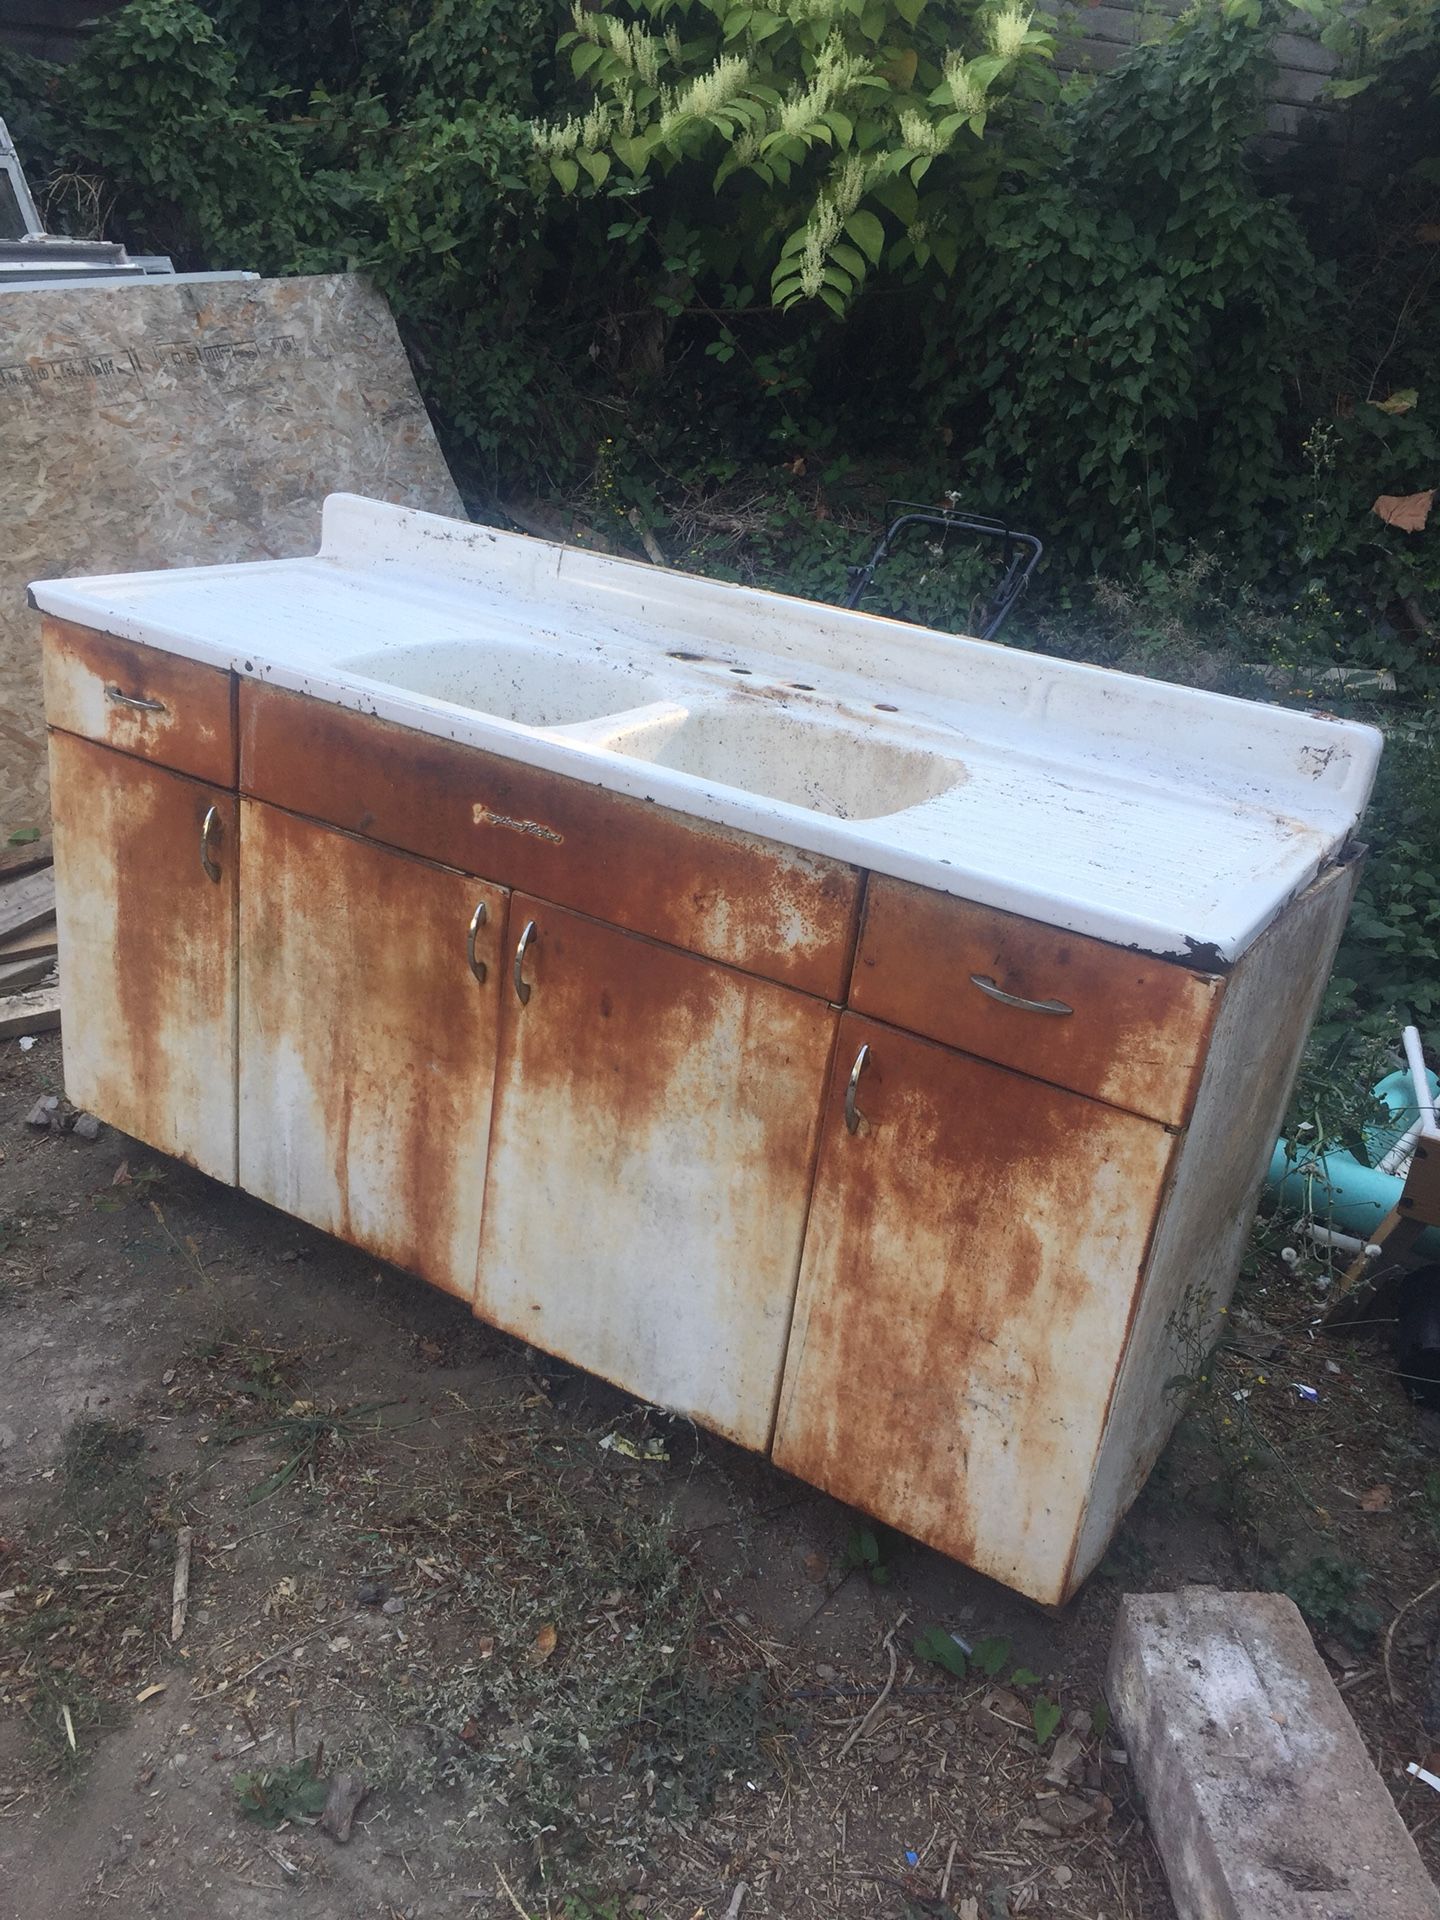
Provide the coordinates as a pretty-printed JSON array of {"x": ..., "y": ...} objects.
[
  {"x": 597, "y": 165},
  {"x": 990, "y": 1655},
  {"x": 837, "y": 305},
  {"x": 1023, "y": 1677},
  {"x": 941, "y": 1649},
  {"x": 566, "y": 172},
  {"x": 26, "y": 837},
  {"x": 1046, "y": 1717},
  {"x": 868, "y": 232}
]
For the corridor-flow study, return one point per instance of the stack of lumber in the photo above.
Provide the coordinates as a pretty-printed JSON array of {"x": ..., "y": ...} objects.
[{"x": 29, "y": 991}]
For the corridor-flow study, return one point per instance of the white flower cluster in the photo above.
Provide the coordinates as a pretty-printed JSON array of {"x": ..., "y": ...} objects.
[
  {"x": 631, "y": 45},
  {"x": 965, "y": 90},
  {"x": 836, "y": 71},
  {"x": 706, "y": 93},
  {"x": 1009, "y": 29},
  {"x": 827, "y": 222}
]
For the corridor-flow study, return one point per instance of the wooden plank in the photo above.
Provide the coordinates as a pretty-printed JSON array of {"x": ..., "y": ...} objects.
[
  {"x": 27, "y": 901},
  {"x": 18, "y": 974},
  {"x": 25, "y": 859},
  {"x": 30, "y": 945},
  {"x": 37, "y": 1011}
]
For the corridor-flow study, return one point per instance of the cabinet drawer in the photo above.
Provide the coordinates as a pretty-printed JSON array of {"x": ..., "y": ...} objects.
[
  {"x": 1132, "y": 1031},
  {"x": 764, "y": 908},
  {"x": 152, "y": 704}
]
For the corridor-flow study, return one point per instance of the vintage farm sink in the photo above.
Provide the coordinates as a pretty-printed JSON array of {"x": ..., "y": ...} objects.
[{"x": 865, "y": 1042}]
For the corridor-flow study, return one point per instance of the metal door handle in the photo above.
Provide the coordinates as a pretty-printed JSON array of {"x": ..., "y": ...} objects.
[
  {"x": 987, "y": 985},
  {"x": 522, "y": 985},
  {"x": 477, "y": 965},
  {"x": 853, "y": 1116},
  {"x": 210, "y": 834},
  {"x": 135, "y": 700}
]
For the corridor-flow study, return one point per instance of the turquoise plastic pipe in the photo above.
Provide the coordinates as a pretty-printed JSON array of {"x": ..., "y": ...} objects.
[{"x": 1335, "y": 1190}]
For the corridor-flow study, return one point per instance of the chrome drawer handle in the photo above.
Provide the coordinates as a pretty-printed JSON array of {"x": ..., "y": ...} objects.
[
  {"x": 987, "y": 985},
  {"x": 522, "y": 985},
  {"x": 477, "y": 965},
  {"x": 853, "y": 1116},
  {"x": 210, "y": 832},
  {"x": 135, "y": 700}
]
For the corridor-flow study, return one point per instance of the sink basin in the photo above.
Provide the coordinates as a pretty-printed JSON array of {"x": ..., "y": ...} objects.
[
  {"x": 507, "y": 679},
  {"x": 780, "y": 756}
]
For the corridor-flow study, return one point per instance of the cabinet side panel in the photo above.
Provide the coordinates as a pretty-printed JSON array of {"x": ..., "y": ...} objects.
[
  {"x": 1259, "y": 1036},
  {"x": 972, "y": 1253},
  {"x": 367, "y": 1045},
  {"x": 147, "y": 950}
]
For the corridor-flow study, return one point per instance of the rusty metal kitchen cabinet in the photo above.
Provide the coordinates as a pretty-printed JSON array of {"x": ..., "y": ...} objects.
[
  {"x": 650, "y": 1163},
  {"x": 145, "y": 923},
  {"x": 975, "y": 1241},
  {"x": 944, "y": 997},
  {"x": 369, "y": 988}
]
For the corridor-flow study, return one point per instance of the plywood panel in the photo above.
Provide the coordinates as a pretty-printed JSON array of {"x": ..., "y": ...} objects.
[{"x": 171, "y": 424}]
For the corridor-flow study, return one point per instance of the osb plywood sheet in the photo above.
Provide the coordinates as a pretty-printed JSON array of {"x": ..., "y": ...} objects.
[{"x": 172, "y": 425}]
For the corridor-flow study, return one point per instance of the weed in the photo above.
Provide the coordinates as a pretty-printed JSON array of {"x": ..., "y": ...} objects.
[
  {"x": 1328, "y": 1591},
  {"x": 272, "y": 1795},
  {"x": 1045, "y": 1717},
  {"x": 941, "y": 1649},
  {"x": 305, "y": 1435},
  {"x": 77, "y": 1625},
  {"x": 863, "y": 1552}
]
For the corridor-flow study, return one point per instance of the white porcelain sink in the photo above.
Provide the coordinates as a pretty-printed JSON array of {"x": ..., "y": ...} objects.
[
  {"x": 532, "y": 686},
  {"x": 781, "y": 755},
  {"x": 1145, "y": 814}
]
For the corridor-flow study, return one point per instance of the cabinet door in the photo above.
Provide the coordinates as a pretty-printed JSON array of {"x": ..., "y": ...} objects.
[
  {"x": 145, "y": 864},
  {"x": 367, "y": 1041},
  {"x": 651, "y": 1156},
  {"x": 974, "y": 1248}
]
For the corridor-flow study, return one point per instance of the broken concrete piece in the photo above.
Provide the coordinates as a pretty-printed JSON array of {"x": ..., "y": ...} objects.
[
  {"x": 43, "y": 1111},
  {"x": 1262, "y": 1800},
  {"x": 86, "y": 1127}
]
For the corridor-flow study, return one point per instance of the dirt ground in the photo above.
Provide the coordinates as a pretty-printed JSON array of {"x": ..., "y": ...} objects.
[{"x": 589, "y": 1662}]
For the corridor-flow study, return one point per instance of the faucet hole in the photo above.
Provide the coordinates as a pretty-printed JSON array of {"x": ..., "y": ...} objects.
[
  {"x": 884, "y": 706},
  {"x": 677, "y": 655},
  {"x": 801, "y": 686},
  {"x": 744, "y": 670}
]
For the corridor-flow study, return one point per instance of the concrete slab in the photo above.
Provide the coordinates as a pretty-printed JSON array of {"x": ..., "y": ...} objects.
[{"x": 1261, "y": 1797}]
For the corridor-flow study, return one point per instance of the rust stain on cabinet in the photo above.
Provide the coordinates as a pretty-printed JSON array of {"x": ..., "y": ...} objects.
[
  {"x": 367, "y": 1042},
  {"x": 651, "y": 1156},
  {"x": 748, "y": 902},
  {"x": 147, "y": 950},
  {"x": 140, "y": 700},
  {"x": 970, "y": 1264},
  {"x": 1136, "y": 1036}
]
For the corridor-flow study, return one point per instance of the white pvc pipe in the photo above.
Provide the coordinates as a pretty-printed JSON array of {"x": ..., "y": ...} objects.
[
  {"x": 1398, "y": 1159},
  {"x": 1343, "y": 1242},
  {"x": 1424, "y": 1099}
]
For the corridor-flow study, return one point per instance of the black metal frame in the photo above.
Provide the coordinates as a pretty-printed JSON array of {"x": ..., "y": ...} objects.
[{"x": 1017, "y": 546}]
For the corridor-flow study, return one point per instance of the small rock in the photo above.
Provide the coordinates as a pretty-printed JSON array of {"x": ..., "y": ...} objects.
[
  {"x": 347, "y": 1790},
  {"x": 370, "y": 1593},
  {"x": 86, "y": 1127},
  {"x": 395, "y": 1604},
  {"x": 40, "y": 1114}
]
